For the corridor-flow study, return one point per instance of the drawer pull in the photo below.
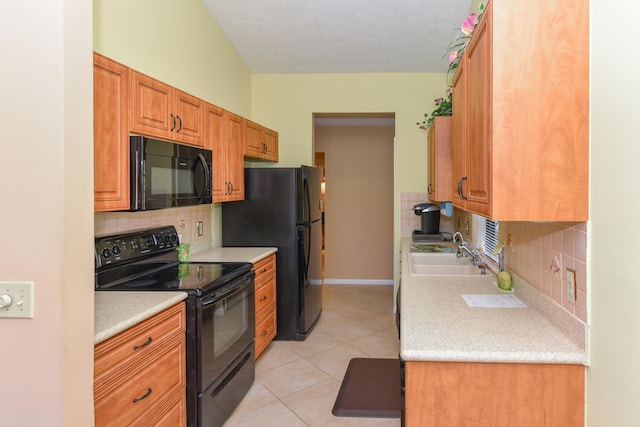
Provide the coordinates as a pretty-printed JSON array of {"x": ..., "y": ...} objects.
[
  {"x": 263, "y": 298},
  {"x": 264, "y": 270},
  {"x": 144, "y": 344},
  {"x": 144, "y": 396},
  {"x": 263, "y": 333}
]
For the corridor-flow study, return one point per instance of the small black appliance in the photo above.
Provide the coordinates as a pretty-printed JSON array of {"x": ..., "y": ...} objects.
[{"x": 429, "y": 222}]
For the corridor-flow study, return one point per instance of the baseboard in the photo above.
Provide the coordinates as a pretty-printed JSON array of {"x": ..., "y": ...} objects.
[{"x": 358, "y": 282}]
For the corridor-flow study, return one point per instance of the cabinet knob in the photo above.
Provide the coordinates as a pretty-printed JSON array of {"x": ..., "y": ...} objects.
[
  {"x": 263, "y": 298},
  {"x": 263, "y": 333}
]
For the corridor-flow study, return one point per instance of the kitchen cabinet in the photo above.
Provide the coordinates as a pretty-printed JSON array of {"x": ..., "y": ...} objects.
[
  {"x": 110, "y": 134},
  {"x": 265, "y": 295},
  {"x": 521, "y": 130},
  {"x": 161, "y": 111},
  {"x": 139, "y": 374},
  {"x": 260, "y": 143},
  {"x": 493, "y": 394},
  {"x": 224, "y": 136},
  {"x": 440, "y": 172}
]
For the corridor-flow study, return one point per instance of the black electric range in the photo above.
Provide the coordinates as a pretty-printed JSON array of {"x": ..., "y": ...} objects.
[{"x": 220, "y": 314}]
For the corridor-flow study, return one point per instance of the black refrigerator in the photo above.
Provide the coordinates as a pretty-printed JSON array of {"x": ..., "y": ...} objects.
[{"x": 282, "y": 208}]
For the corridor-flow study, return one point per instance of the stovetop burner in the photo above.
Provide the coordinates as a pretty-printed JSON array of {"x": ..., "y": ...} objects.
[{"x": 147, "y": 260}]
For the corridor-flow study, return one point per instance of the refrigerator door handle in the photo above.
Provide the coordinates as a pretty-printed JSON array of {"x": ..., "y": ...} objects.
[
  {"x": 308, "y": 257},
  {"x": 307, "y": 218}
]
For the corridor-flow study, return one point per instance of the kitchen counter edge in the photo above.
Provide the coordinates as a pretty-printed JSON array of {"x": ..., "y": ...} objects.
[
  {"x": 117, "y": 311},
  {"x": 441, "y": 328},
  {"x": 233, "y": 254}
]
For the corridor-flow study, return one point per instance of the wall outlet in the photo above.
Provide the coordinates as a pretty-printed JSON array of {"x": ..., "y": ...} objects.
[
  {"x": 571, "y": 285},
  {"x": 16, "y": 299}
]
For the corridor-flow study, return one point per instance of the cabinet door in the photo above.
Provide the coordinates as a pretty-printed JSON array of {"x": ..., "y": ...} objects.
[
  {"x": 253, "y": 146},
  {"x": 151, "y": 107},
  {"x": 270, "y": 139},
  {"x": 458, "y": 131},
  {"x": 440, "y": 174},
  {"x": 111, "y": 134},
  {"x": 235, "y": 155},
  {"x": 215, "y": 141},
  {"x": 189, "y": 112},
  {"x": 478, "y": 132}
]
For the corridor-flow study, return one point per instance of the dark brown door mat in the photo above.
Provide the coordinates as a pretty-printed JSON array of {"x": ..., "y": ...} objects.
[{"x": 370, "y": 389}]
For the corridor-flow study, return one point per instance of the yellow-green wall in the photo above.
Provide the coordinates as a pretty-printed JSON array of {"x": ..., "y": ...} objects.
[
  {"x": 177, "y": 42},
  {"x": 287, "y": 102}
]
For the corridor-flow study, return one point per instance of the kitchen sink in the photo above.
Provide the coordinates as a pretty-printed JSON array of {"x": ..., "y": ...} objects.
[
  {"x": 440, "y": 264},
  {"x": 467, "y": 269}
]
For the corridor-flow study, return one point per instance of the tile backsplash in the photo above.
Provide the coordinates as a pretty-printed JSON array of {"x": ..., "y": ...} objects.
[
  {"x": 533, "y": 249},
  {"x": 184, "y": 219},
  {"x": 410, "y": 221}
]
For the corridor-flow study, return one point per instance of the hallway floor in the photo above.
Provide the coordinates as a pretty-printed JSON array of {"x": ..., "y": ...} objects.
[{"x": 297, "y": 381}]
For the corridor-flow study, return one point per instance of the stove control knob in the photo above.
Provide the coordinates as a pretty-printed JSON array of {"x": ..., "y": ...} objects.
[
  {"x": 106, "y": 253},
  {"x": 174, "y": 238},
  {"x": 116, "y": 249}
]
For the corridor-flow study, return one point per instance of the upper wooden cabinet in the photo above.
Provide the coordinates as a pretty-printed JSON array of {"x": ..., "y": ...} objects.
[
  {"x": 521, "y": 113},
  {"x": 440, "y": 172},
  {"x": 260, "y": 143},
  {"x": 110, "y": 134},
  {"x": 224, "y": 136},
  {"x": 162, "y": 111}
]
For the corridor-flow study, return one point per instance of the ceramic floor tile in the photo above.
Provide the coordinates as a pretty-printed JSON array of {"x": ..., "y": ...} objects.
[
  {"x": 297, "y": 382},
  {"x": 356, "y": 311},
  {"x": 335, "y": 360},
  {"x": 292, "y": 377},
  {"x": 277, "y": 354},
  {"x": 350, "y": 331},
  {"x": 314, "y": 404},
  {"x": 317, "y": 342},
  {"x": 380, "y": 320},
  {"x": 275, "y": 414},
  {"x": 377, "y": 345}
]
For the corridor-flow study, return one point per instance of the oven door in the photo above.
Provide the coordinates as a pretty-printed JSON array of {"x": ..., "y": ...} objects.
[{"x": 227, "y": 327}]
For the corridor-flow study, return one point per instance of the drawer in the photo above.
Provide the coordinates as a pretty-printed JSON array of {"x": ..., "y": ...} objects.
[
  {"x": 265, "y": 268},
  {"x": 265, "y": 295},
  {"x": 138, "y": 340},
  {"x": 172, "y": 413},
  {"x": 265, "y": 330},
  {"x": 147, "y": 387}
]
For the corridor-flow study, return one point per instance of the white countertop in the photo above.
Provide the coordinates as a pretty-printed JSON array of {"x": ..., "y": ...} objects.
[
  {"x": 116, "y": 311},
  {"x": 232, "y": 254},
  {"x": 438, "y": 325}
]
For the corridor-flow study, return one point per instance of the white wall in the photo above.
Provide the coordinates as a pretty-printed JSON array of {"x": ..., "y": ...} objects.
[
  {"x": 46, "y": 181},
  {"x": 613, "y": 379}
]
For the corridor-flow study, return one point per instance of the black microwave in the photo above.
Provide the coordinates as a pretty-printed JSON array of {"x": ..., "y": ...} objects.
[{"x": 165, "y": 174}]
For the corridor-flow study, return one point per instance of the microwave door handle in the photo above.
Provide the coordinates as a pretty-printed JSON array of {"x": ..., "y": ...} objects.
[{"x": 207, "y": 178}]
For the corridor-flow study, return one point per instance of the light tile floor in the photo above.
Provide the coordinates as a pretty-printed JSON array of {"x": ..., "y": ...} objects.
[{"x": 297, "y": 381}]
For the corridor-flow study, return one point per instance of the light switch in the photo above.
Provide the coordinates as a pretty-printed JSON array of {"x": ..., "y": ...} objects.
[{"x": 16, "y": 299}]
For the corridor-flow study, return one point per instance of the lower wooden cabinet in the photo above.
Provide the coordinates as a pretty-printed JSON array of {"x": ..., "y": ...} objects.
[
  {"x": 493, "y": 394},
  {"x": 140, "y": 374},
  {"x": 266, "y": 325}
]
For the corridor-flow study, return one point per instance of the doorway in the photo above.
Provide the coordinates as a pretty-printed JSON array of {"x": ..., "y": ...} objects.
[{"x": 357, "y": 155}]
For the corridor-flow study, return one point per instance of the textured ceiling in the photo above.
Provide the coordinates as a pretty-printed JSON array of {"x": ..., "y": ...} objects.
[{"x": 340, "y": 36}]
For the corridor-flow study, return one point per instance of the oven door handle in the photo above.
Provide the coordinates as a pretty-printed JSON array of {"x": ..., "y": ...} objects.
[{"x": 236, "y": 286}]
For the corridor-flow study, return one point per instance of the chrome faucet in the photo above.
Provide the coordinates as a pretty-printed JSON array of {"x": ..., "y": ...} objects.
[
  {"x": 464, "y": 249},
  {"x": 457, "y": 234}
]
